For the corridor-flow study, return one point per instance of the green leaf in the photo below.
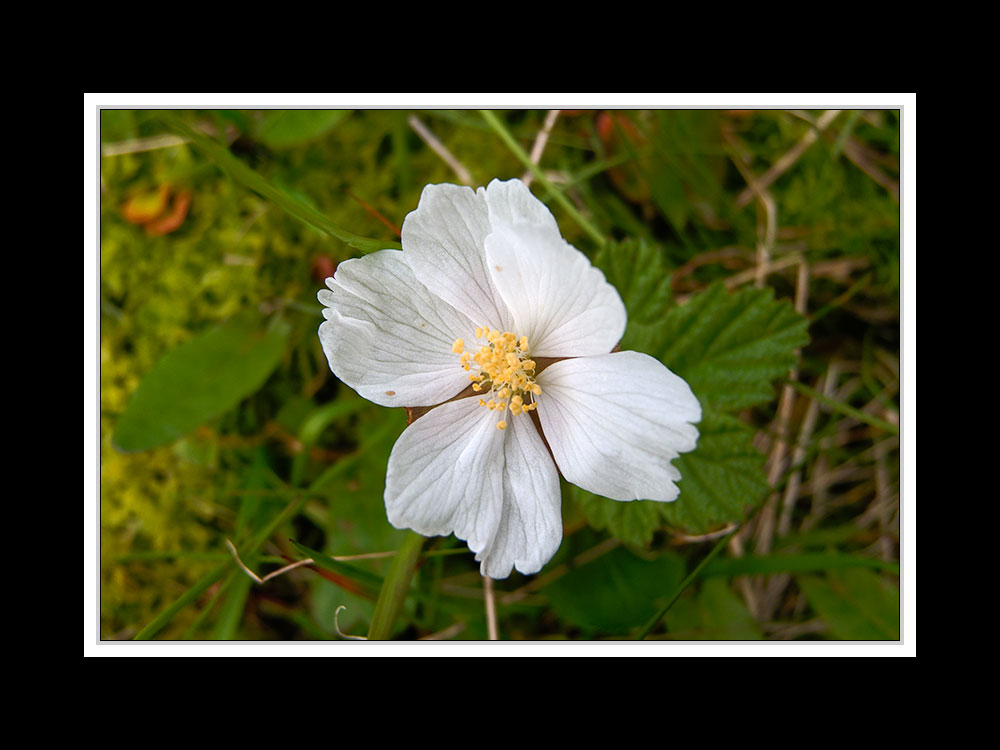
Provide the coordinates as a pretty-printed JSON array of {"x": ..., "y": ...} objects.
[
  {"x": 857, "y": 604},
  {"x": 616, "y": 592},
  {"x": 720, "y": 480},
  {"x": 281, "y": 128},
  {"x": 199, "y": 380}
]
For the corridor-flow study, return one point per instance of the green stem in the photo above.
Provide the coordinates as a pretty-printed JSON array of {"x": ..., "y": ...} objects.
[
  {"x": 558, "y": 195},
  {"x": 395, "y": 587},
  {"x": 684, "y": 584}
]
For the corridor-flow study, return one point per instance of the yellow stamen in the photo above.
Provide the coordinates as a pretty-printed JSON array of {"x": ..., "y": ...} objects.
[
  {"x": 501, "y": 425},
  {"x": 501, "y": 368}
]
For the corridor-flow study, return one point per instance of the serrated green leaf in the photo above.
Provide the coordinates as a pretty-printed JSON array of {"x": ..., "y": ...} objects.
[
  {"x": 281, "y": 128},
  {"x": 199, "y": 380},
  {"x": 616, "y": 592},
  {"x": 858, "y": 604},
  {"x": 730, "y": 347},
  {"x": 634, "y": 522},
  {"x": 720, "y": 480}
]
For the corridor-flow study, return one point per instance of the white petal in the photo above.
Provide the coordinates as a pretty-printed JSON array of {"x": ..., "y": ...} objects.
[
  {"x": 557, "y": 299},
  {"x": 446, "y": 473},
  {"x": 530, "y": 529},
  {"x": 453, "y": 471},
  {"x": 388, "y": 337},
  {"x": 511, "y": 203},
  {"x": 443, "y": 243},
  {"x": 614, "y": 422}
]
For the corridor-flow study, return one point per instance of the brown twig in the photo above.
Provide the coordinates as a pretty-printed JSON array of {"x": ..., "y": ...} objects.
[
  {"x": 786, "y": 160},
  {"x": 460, "y": 170},
  {"x": 538, "y": 148}
]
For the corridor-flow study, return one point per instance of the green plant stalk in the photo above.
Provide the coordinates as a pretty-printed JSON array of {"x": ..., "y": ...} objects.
[
  {"x": 684, "y": 584},
  {"x": 560, "y": 198},
  {"x": 844, "y": 408},
  {"x": 252, "y": 180},
  {"x": 395, "y": 588}
]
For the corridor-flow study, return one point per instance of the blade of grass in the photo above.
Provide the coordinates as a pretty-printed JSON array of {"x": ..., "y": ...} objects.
[
  {"x": 232, "y": 607},
  {"x": 806, "y": 563},
  {"x": 254, "y": 181},
  {"x": 196, "y": 624},
  {"x": 845, "y": 132},
  {"x": 856, "y": 287},
  {"x": 367, "y": 583},
  {"x": 556, "y": 193},
  {"x": 844, "y": 408}
]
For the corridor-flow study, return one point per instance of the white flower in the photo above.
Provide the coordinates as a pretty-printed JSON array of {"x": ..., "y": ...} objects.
[{"x": 483, "y": 296}]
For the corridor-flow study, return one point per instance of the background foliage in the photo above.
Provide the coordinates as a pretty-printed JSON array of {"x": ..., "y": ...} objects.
[{"x": 758, "y": 256}]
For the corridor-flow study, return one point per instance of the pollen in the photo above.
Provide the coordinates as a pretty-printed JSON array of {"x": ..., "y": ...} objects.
[{"x": 500, "y": 367}]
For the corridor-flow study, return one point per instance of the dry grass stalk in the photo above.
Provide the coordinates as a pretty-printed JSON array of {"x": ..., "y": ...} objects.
[
  {"x": 538, "y": 148},
  {"x": 425, "y": 134},
  {"x": 788, "y": 159}
]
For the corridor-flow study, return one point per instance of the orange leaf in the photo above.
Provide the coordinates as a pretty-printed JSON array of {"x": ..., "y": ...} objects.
[{"x": 174, "y": 219}]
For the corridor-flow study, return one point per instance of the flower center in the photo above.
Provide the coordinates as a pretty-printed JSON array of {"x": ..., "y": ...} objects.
[{"x": 503, "y": 369}]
